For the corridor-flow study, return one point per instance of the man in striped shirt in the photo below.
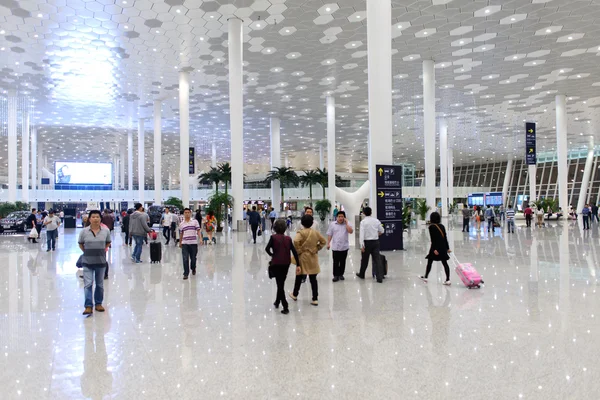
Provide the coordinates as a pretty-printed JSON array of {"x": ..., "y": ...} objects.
[
  {"x": 510, "y": 219},
  {"x": 189, "y": 229}
]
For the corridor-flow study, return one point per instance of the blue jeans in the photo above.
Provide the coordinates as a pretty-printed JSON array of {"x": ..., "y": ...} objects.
[
  {"x": 89, "y": 275},
  {"x": 51, "y": 238},
  {"x": 510, "y": 225},
  {"x": 137, "y": 250}
]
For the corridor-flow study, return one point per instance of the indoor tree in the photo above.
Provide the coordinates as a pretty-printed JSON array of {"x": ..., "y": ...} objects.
[
  {"x": 214, "y": 175},
  {"x": 286, "y": 177},
  {"x": 310, "y": 178},
  {"x": 225, "y": 170},
  {"x": 323, "y": 179}
]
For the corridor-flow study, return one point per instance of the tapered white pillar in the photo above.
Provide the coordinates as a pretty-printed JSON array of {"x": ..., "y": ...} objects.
[
  {"x": 115, "y": 172},
  {"x": 25, "y": 157},
  {"x": 141, "y": 167},
  {"x": 330, "y": 104},
  {"x": 287, "y": 160},
  {"x": 158, "y": 152},
  {"x": 507, "y": 178},
  {"x": 587, "y": 171},
  {"x": 34, "y": 184},
  {"x": 561, "y": 151},
  {"x": 236, "y": 116},
  {"x": 444, "y": 166},
  {"x": 321, "y": 157},
  {"x": 130, "y": 167},
  {"x": 532, "y": 182},
  {"x": 40, "y": 164},
  {"x": 275, "y": 162},
  {"x": 122, "y": 154},
  {"x": 379, "y": 58},
  {"x": 213, "y": 160},
  {"x": 184, "y": 136},
  {"x": 429, "y": 132},
  {"x": 450, "y": 175},
  {"x": 12, "y": 146}
]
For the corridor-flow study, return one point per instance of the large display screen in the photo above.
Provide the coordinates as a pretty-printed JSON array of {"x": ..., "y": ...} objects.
[{"x": 74, "y": 173}]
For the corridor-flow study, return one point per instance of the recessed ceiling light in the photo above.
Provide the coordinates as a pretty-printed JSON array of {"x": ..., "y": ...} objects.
[
  {"x": 512, "y": 19},
  {"x": 212, "y": 16},
  {"x": 570, "y": 37},
  {"x": 358, "y": 16},
  {"x": 328, "y": 9},
  {"x": 258, "y": 25},
  {"x": 399, "y": 26},
  {"x": 126, "y": 27},
  {"x": 548, "y": 30},
  {"x": 425, "y": 33},
  {"x": 178, "y": 11},
  {"x": 487, "y": 11},
  {"x": 157, "y": 31},
  {"x": 40, "y": 15}
]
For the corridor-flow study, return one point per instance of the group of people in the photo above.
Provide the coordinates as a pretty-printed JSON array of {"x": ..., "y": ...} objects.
[
  {"x": 306, "y": 245},
  {"x": 38, "y": 220}
]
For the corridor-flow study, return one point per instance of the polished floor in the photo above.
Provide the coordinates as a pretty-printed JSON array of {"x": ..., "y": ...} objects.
[{"x": 531, "y": 332}]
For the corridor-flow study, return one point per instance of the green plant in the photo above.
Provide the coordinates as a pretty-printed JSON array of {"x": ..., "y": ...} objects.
[
  {"x": 452, "y": 207},
  {"x": 422, "y": 208},
  {"x": 406, "y": 216},
  {"x": 287, "y": 177},
  {"x": 7, "y": 208},
  {"x": 216, "y": 203},
  {"x": 174, "y": 201},
  {"x": 225, "y": 170},
  {"x": 323, "y": 207},
  {"x": 310, "y": 178},
  {"x": 213, "y": 175}
]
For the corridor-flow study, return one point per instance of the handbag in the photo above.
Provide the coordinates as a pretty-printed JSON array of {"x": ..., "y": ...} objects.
[
  {"x": 79, "y": 262},
  {"x": 259, "y": 233},
  {"x": 271, "y": 271},
  {"x": 34, "y": 233}
]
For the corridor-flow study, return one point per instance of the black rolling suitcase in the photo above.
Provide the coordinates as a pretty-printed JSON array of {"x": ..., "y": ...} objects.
[
  {"x": 383, "y": 266},
  {"x": 155, "y": 252}
]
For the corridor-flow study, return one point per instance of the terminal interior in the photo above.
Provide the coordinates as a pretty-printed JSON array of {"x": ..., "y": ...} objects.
[{"x": 406, "y": 107}]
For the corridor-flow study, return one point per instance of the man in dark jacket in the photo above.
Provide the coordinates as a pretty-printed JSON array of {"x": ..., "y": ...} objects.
[
  {"x": 594, "y": 213},
  {"x": 125, "y": 227},
  {"x": 139, "y": 229},
  {"x": 32, "y": 223},
  {"x": 254, "y": 221}
]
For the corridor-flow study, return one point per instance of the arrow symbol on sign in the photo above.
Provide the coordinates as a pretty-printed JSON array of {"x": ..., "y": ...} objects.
[
  {"x": 381, "y": 194},
  {"x": 531, "y": 150},
  {"x": 380, "y": 170},
  {"x": 530, "y": 131}
]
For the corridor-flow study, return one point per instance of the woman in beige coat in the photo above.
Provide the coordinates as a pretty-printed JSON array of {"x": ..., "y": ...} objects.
[{"x": 308, "y": 242}]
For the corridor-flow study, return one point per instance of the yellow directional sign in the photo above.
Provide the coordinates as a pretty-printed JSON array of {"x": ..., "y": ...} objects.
[
  {"x": 381, "y": 194},
  {"x": 380, "y": 170},
  {"x": 531, "y": 150},
  {"x": 530, "y": 131}
]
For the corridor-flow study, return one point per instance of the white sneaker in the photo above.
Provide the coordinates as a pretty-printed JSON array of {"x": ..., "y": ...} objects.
[
  {"x": 447, "y": 283},
  {"x": 423, "y": 278}
]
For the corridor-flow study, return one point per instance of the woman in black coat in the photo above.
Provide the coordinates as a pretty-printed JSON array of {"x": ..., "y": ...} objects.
[{"x": 439, "y": 247}]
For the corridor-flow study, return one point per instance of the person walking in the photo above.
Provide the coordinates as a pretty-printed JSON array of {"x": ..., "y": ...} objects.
[
  {"x": 279, "y": 248},
  {"x": 337, "y": 241},
  {"x": 466, "y": 213},
  {"x": 198, "y": 216},
  {"x": 528, "y": 216},
  {"x": 308, "y": 242},
  {"x": 108, "y": 219},
  {"x": 490, "y": 216},
  {"x": 594, "y": 215},
  {"x": 478, "y": 217},
  {"x": 540, "y": 217},
  {"x": 501, "y": 213},
  {"x": 370, "y": 230},
  {"x": 263, "y": 219},
  {"x": 586, "y": 217},
  {"x": 31, "y": 222},
  {"x": 510, "y": 219},
  {"x": 165, "y": 222},
  {"x": 439, "y": 249},
  {"x": 94, "y": 241},
  {"x": 272, "y": 217},
  {"x": 210, "y": 223},
  {"x": 61, "y": 215},
  {"x": 51, "y": 222},
  {"x": 189, "y": 233},
  {"x": 254, "y": 221},
  {"x": 125, "y": 227},
  {"x": 138, "y": 229}
]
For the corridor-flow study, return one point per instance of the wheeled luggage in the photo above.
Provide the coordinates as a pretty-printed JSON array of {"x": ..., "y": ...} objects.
[
  {"x": 467, "y": 274},
  {"x": 153, "y": 235},
  {"x": 155, "y": 252},
  {"x": 383, "y": 265}
]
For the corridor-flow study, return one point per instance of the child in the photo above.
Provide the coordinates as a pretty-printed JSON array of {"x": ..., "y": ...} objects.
[
  {"x": 279, "y": 248},
  {"x": 439, "y": 249}
]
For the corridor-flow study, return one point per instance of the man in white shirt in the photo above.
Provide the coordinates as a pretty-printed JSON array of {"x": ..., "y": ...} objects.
[
  {"x": 370, "y": 230},
  {"x": 166, "y": 224},
  {"x": 51, "y": 222}
]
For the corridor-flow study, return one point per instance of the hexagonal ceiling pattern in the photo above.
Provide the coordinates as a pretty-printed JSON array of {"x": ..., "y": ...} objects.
[{"x": 92, "y": 68}]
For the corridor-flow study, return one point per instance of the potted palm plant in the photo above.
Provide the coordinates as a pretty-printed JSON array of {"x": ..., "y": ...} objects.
[
  {"x": 214, "y": 175},
  {"x": 323, "y": 207},
  {"x": 286, "y": 176},
  {"x": 218, "y": 203},
  {"x": 310, "y": 178},
  {"x": 422, "y": 209},
  {"x": 225, "y": 170}
]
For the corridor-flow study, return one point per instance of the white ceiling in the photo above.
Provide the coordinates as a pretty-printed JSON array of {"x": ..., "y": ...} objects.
[{"x": 92, "y": 68}]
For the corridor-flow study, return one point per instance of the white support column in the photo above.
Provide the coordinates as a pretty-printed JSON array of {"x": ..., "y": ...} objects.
[
  {"x": 450, "y": 175},
  {"x": 587, "y": 171},
  {"x": 122, "y": 153},
  {"x": 40, "y": 164},
  {"x": 158, "y": 152},
  {"x": 275, "y": 162},
  {"x": 115, "y": 172},
  {"x": 213, "y": 160},
  {"x": 25, "y": 157},
  {"x": 330, "y": 104},
  {"x": 429, "y": 132},
  {"x": 507, "y": 178},
  {"x": 130, "y": 167},
  {"x": 184, "y": 136},
  {"x": 12, "y": 146},
  {"x": 141, "y": 155},
  {"x": 561, "y": 151},
  {"x": 34, "y": 177},
  {"x": 321, "y": 157},
  {"x": 444, "y": 166},
  {"x": 236, "y": 116},
  {"x": 379, "y": 58},
  {"x": 532, "y": 183},
  {"x": 287, "y": 160}
]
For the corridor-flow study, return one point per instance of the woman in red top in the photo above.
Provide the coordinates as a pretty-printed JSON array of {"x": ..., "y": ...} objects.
[{"x": 279, "y": 248}]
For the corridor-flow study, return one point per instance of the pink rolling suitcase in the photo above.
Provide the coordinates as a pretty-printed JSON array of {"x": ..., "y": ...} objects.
[{"x": 468, "y": 274}]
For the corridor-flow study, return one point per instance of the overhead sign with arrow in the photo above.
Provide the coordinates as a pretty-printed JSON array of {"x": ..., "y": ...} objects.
[
  {"x": 389, "y": 206},
  {"x": 530, "y": 153}
]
